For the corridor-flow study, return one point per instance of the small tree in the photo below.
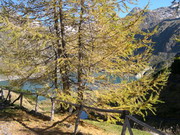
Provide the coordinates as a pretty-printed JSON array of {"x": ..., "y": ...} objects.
[{"x": 78, "y": 50}]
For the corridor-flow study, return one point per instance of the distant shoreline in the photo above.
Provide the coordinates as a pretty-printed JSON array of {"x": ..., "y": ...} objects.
[{"x": 5, "y": 78}]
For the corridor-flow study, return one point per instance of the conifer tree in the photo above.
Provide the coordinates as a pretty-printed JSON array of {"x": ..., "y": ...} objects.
[{"x": 78, "y": 49}]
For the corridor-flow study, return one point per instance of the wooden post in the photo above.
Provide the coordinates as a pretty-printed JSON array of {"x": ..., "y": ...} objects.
[
  {"x": 125, "y": 113},
  {"x": 78, "y": 119},
  {"x": 21, "y": 100},
  {"x": 124, "y": 128},
  {"x": 10, "y": 96},
  {"x": 36, "y": 106},
  {"x": 52, "y": 108},
  {"x": 129, "y": 126},
  {"x": 2, "y": 94}
]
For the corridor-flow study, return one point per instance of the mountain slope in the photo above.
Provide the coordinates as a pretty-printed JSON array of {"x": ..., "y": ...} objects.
[
  {"x": 167, "y": 21},
  {"x": 165, "y": 39}
]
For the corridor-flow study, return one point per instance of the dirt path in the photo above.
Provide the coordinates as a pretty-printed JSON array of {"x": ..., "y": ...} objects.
[{"x": 13, "y": 128}]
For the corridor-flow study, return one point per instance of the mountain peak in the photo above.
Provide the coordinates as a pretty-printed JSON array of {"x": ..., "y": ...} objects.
[{"x": 136, "y": 9}]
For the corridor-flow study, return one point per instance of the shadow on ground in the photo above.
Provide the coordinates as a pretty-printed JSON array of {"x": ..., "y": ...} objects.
[{"x": 24, "y": 117}]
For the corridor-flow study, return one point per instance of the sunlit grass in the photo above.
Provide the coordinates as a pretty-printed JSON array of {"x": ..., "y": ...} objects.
[{"x": 115, "y": 129}]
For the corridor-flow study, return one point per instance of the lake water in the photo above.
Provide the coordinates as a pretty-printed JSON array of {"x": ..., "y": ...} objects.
[
  {"x": 27, "y": 86},
  {"x": 31, "y": 87}
]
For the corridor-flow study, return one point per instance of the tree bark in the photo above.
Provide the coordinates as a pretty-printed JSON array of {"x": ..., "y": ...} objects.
[
  {"x": 65, "y": 76},
  {"x": 80, "y": 54}
]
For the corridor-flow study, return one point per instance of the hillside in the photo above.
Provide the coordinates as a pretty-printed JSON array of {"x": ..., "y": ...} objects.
[
  {"x": 165, "y": 39},
  {"x": 18, "y": 122},
  {"x": 21, "y": 121}
]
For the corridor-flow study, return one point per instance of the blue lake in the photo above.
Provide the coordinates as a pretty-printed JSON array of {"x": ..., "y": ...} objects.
[
  {"x": 27, "y": 86},
  {"x": 32, "y": 87}
]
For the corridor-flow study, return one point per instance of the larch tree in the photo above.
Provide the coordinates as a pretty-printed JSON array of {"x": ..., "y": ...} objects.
[{"x": 78, "y": 49}]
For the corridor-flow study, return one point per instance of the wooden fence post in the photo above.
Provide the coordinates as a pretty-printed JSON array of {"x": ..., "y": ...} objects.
[
  {"x": 78, "y": 119},
  {"x": 52, "y": 108},
  {"x": 36, "y": 106},
  {"x": 129, "y": 126},
  {"x": 21, "y": 100},
  {"x": 8, "y": 95},
  {"x": 2, "y": 94},
  {"x": 124, "y": 128},
  {"x": 125, "y": 122}
]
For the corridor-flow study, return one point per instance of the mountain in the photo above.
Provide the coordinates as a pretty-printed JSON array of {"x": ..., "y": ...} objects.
[
  {"x": 165, "y": 39},
  {"x": 154, "y": 17},
  {"x": 167, "y": 21}
]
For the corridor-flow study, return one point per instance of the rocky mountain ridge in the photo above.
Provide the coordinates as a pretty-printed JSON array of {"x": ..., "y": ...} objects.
[
  {"x": 167, "y": 21},
  {"x": 154, "y": 17}
]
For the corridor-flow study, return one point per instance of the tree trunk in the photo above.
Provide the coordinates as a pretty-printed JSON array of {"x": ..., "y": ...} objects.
[
  {"x": 65, "y": 76},
  {"x": 80, "y": 55}
]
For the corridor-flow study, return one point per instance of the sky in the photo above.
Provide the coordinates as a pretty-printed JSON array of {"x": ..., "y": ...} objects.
[{"x": 154, "y": 4}]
